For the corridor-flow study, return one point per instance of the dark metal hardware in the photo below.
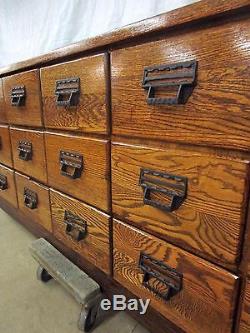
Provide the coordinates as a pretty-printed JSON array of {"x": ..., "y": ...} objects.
[
  {"x": 30, "y": 198},
  {"x": 67, "y": 92},
  {"x": 3, "y": 182},
  {"x": 25, "y": 150},
  {"x": 18, "y": 95},
  {"x": 75, "y": 226},
  {"x": 159, "y": 278},
  {"x": 180, "y": 76},
  {"x": 172, "y": 186},
  {"x": 71, "y": 164}
]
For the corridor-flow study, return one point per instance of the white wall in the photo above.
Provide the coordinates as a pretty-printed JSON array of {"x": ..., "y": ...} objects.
[{"x": 32, "y": 27}]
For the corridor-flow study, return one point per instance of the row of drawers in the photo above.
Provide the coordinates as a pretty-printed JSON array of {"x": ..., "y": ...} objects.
[
  {"x": 161, "y": 191},
  {"x": 69, "y": 96},
  {"x": 179, "y": 89},
  {"x": 77, "y": 165},
  {"x": 198, "y": 295}
]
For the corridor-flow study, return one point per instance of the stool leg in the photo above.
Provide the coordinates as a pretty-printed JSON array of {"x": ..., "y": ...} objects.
[
  {"x": 43, "y": 275},
  {"x": 86, "y": 319},
  {"x": 89, "y": 314}
]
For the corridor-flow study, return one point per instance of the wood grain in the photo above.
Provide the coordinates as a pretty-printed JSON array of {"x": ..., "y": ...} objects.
[
  {"x": 93, "y": 186},
  {"x": 41, "y": 214},
  {"x": 95, "y": 247},
  {"x": 36, "y": 167},
  {"x": 9, "y": 194},
  {"x": 199, "y": 12},
  {"x": 245, "y": 314},
  {"x": 91, "y": 114},
  {"x": 207, "y": 299},
  {"x": 217, "y": 112},
  {"x": 5, "y": 146},
  {"x": 3, "y": 118},
  {"x": 30, "y": 114},
  {"x": 210, "y": 220}
]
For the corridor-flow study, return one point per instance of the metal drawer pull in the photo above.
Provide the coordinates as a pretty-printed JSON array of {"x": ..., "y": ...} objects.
[
  {"x": 25, "y": 150},
  {"x": 172, "y": 188},
  {"x": 75, "y": 226},
  {"x": 67, "y": 92},
  {"x": 3, "y": 182},
  {"x": 18, "y": 95},
  {"x": 178, "y": 79},
  {"x": 71, "y": 164},
  {"x": 30, "y": 198},
  {"x": 159, "y": 278}
]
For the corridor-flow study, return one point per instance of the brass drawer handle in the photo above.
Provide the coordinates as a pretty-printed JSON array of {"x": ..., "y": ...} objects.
[
  {"x": 67, "y": 92},
  {"x": 159, "y": 278},
  {"x": 30, "y": 198},
  {"x": 177, "y": 80},
  {"x": 18, "y": 95},
  {"x": 25, "y": 150},
  {"x": 75, "y": 226},
  {"x": 3, "y": 182},
  {"x": 71, "y": 164},
  {"x": 171, "y": 187}
]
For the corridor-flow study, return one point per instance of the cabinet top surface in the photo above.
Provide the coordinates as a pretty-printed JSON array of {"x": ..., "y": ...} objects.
[{"x": 194, "y": 13}]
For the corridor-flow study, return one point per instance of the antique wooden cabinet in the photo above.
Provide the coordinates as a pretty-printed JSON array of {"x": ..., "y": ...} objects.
[{"x": 130, "y": 152}]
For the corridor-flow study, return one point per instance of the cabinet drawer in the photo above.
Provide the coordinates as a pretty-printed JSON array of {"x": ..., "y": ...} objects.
[
  {"x": 74, "y": 95},
  {"x": 28, "y": 149},
  {"x": 217, "y": 111},
  {"x": 80, "y": 166},
  {"x": 245, "y": 312},
  {"x": 2, "y": 107},
  {"x": 201, "y": 297},
  {"x": 33, "y": 200},
  {"x": 7, "y": 185},
  {"x": 5, "y": 146},
  {"x": 23, "y": 98},
  {"x": 191, "y": 198},
  {"x": 82, "y": 228}
]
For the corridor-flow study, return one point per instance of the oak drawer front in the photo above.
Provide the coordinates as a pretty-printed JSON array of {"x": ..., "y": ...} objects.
[
  {"x": 201, "y": 297},
  {"x": 23, "y": 98},
  {"x": 7, "y": 185},
  {"x": 82, "y": 228},
  {"x": 217, "y": 110},
  {"x": 2, "y": 106},
  {"x": 33, "y": 200},
  {"x": 80, "y": 167},
  {"x": 74, "y": 95},
  {"x": 28, "y": 148},
  {"x": 245, "y": 311},
  {"x": 5, "y": 146},
  {"x": 203, "y": 208}
]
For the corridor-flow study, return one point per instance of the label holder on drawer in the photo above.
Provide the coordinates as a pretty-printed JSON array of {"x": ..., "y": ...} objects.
[
  {"x": 172, "y": 186},
  {"x": 3, "y": 182},
  {"x": 163, "y": 275},
  {"x": 71, "y": 164},
  {"x": 25, "y": 150},
  {"x": 18, "y": 95},
  {"x": 76, "y": 227},
  {"x": 180, "y": 76},
  {"x": 67, "y": 92},
  {"x": 30, "y": 198}
]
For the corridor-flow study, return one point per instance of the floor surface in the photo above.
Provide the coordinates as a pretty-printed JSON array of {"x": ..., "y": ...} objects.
[{"x": 29, "y": 306}]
